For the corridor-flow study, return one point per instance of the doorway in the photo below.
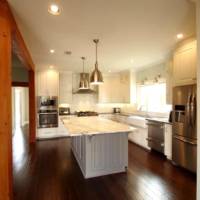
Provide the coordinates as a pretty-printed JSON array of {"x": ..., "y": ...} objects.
[{"x": 20, "y": 109}]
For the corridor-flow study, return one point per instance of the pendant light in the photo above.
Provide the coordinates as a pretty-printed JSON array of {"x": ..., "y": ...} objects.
[
  {"x": 84, "y": 83},
  {"x": 96, "y": 76}
]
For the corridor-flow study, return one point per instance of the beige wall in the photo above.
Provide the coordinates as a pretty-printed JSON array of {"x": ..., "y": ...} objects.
[
  {"x": 198, "y": 100},
  {"x": 150, "y": 72}
]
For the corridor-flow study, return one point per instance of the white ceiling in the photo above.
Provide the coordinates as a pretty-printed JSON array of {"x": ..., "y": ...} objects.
[{"x": 140, "y": 30}]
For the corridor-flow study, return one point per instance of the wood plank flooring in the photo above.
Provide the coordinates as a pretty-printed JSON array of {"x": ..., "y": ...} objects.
[{"x": 49, "y": 171}]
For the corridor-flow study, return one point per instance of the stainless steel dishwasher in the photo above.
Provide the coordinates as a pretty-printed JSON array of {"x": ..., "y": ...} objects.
[{"x": 156, "y": 135}]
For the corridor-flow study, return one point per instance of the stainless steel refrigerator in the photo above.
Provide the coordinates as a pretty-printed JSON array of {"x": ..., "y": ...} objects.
[{"x": 184, "y": 127}]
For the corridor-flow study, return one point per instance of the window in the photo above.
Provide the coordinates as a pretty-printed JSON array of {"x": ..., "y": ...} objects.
[{"x": 152, "y": 98}]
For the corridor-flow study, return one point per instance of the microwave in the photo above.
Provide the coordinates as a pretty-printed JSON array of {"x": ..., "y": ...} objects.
[{"x": 47, "y": 102}]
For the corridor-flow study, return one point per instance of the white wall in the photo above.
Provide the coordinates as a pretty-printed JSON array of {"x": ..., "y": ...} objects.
[
  {"x": 13, "y": 109},
  {"x": 198, "y": 100},
  {"x": 24, "y": 106}
]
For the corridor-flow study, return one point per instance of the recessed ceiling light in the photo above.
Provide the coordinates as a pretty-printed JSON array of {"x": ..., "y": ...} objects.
[
  {"x": 179, "y": 36},
  {"x": 52, "y": 51},
  {"x": 51, "y": 67},
  {"x": 54, "y": 9}
]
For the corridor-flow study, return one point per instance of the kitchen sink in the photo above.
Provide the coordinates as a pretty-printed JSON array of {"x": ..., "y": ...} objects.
[{"x": 137, "y": 120}]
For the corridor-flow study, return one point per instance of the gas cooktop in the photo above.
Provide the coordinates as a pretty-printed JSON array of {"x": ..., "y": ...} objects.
[{"x": 86, "y": 113}]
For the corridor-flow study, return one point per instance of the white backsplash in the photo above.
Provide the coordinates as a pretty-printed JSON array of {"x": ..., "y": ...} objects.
[{"x": 89, "y": 102}]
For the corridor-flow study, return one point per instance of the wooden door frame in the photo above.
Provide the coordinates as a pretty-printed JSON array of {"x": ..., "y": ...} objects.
[
  {"x": 11, "y": 40},
  {"x": 5, "y": 117},
  {"x": 20, "y": 84},
  {"x": 21, "y": 51}
]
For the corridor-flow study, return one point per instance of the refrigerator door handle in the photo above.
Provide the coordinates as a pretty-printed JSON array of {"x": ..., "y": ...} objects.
[
  {"x": 188, "y": 112},
  {"x": 185, "y": 140},
  {"x": 193, "y": 110}
]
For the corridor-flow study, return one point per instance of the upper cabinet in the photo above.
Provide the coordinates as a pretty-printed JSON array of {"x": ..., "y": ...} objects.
[
  {"x": 169, "y": 81},
  {"x": 65, "y": 88},
  {"x": 47, "y": 82},
  {"x": 185, "y": 63},
  {"x": 116, "y": 88}
]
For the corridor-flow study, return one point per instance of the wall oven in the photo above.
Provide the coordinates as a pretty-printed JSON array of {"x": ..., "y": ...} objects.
[
  {"x": 48, "y": 119},
  {"x": 47, "y": 112}
]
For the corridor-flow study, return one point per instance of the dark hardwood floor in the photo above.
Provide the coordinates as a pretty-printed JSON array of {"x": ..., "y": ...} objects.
[{"x": 49, "y": 171}]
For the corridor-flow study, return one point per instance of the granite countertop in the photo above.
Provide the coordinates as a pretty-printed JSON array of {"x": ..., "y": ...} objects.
[{"x": 94, "y": 125}]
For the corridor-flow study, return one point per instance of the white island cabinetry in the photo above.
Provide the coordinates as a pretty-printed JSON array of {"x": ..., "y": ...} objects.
[
  {"x": 99, "y": 145},
  {"x": 101, "y": 154}
]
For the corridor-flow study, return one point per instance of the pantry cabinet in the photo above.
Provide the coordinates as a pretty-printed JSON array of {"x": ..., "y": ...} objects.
[
  {"x": 47, "y": 82},
  {"x": 185, "y": 63},
  {"x": 116, "y": 88}
]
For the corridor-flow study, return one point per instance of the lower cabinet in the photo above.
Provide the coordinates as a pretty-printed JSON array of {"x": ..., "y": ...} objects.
[
  {"x": 141, "y": 134},
  {"x": 139, "y": 137},
  {"x": 168, "y": 141}
]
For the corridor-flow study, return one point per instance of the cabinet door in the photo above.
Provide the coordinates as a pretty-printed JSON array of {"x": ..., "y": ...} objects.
[
  {"x": 169, "y": 81},
  {"x": 168, "y": 141},
  {"x": 185, "y": 65},
  {"x": 110, "y": 90},
  {"x": 125, "y": 85},
  {"x": 65, "y": 88},
  {"x": 52, "y": 82},
  {"x": 47, "y": 83},
  {"x": 41, "y": 84}
]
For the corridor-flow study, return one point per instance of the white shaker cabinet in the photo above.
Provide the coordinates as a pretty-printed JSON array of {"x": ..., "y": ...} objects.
[
  {"x": 116, "y": 88},
  {"x": 139, "y": 137},
  {"x": 185, "y": 64},
  {"x": 109, "y": 90},
  {"x": 101, "y": 154},
  {"x": 65, "y": 88},
  {"x": 47, "y": 82},
  {"x": 168, "y": 141}
]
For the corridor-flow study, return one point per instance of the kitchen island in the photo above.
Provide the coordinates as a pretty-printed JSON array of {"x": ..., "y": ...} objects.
[{"x": 99, "y": 145}]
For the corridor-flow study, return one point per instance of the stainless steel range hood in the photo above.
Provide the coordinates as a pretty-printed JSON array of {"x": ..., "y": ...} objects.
[{"x": 84, "y": 91}]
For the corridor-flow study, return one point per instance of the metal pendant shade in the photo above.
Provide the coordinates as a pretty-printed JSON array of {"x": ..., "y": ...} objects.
[
  {"x": 96, "y": 77},
  {"x": 84, "y": 83}
]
